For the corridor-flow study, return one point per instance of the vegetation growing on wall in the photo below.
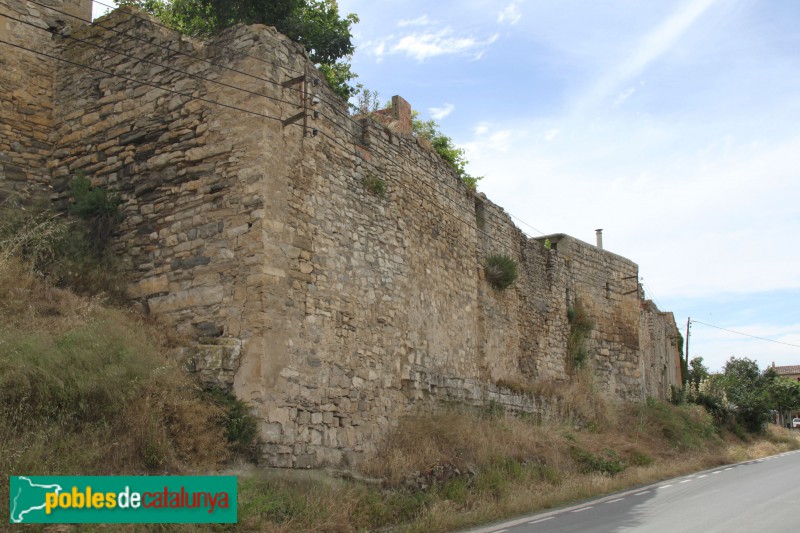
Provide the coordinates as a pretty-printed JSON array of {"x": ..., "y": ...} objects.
[
  {"x": 98, "y": 208},
  {"x": 375, "y": 185},
  {"x": 444, "y": 146},
  {"x": 61, "y": 249},
  {"x": 315, "y": 24},
  {"x": 501, "y": 271},
  {"x": 580, "y": 326}
]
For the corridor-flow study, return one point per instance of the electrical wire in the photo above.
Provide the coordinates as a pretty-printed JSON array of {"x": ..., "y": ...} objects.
[
  {"x": 353, "y": 153},
  {"x": 156, "y": 63},
  {"x": 651, "y": 293},
  {"x": 693, "y": 321},
  {"x": 245, "y": 54},
  {"x": 138, "y": 82},
  {"x": 153, "y": 22}
]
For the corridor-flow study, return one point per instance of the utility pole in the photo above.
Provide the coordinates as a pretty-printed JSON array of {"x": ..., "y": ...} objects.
[{"x": 688, "y": 332}]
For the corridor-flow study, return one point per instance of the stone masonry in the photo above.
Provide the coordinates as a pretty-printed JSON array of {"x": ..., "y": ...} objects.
[{"x": 332, "y": 308}]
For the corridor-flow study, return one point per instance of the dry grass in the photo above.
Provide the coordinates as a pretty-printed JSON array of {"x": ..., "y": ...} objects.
[
  {"x": 521, "y": 467},
  {"x": 86, "y": 389}
]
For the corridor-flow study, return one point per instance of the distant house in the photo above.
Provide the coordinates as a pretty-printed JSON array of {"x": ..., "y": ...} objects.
[{"x": 790, "y": 372}]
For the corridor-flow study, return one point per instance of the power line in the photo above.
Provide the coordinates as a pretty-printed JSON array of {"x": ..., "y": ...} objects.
[
  {"x": 745, "y": 334},
  {"x": 350, "y": 152},
  {"x": 156, "y": 63},
  {"x": 470, "y": 213},
  {"x": 241, "y": 52},
  {"x": 166, "y": 27},
  {"x": 138, "y": 82},
  {"x": 152, "y": 22},
  {"x": 651, "y": 293}
]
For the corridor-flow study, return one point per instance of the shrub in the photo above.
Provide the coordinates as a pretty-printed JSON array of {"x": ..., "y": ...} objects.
[
  {"x": 608, "y": 463},
  {"x": 640, "y": 459},
  {"x": 97, "y": 207},
  {"x": 60, "y": 248},
  {"x": 240, "y": 425},
  {"x": 31, "y": 236},
  {"x": 501, "y": 271},
  {"x": 580, "y": 326},
  {"x": 375, "y": 185}
]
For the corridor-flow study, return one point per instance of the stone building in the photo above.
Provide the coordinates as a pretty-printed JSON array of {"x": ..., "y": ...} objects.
[{"x": 253, "y": 223}]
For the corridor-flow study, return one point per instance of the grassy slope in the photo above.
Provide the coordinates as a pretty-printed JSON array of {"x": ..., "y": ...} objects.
[{"x": 87, "y": 389}]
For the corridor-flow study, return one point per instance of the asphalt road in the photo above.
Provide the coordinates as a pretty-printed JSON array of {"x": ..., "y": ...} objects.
[{"x": 761, "y": 496}]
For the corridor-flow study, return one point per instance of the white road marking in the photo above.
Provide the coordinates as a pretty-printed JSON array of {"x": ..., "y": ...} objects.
[
  {"x": 583, "y": 509},
  {"x": 701, "y": 477},
  {"x": 643, "y": 492},
  {"x": 717, "y": 472},
  {"x": 664, "y": 486},
  {"x": 541, "y": 520},
  {"x": 614, "y": 501},
  {"x": 729, "y": 468},
  {"x": 500, "y": 531},
  {"x": 686, "y": 481}
]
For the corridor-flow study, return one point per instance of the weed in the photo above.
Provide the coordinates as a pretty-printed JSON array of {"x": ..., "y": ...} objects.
[
  {"x": 375, "y": 185},
  {"x": 492, "y": 410},
  {"x": 455, "y": 490},
  {"x": 241, "y": 431},
  {"x": 608, "y": 463},
  {"x": 580, "y": 326},
  {"x": 501, "y": 271},
  {"x": 273, "y": 503},
  {"x": 97, "y": 207},
  {"x": 512, "y": 385},
  {"x": 640, "y": 459},
  {"x": 59, "y": 248}
]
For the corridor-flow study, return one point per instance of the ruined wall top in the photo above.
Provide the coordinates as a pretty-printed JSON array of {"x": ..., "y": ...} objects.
[{"x": 397, "y": 117}]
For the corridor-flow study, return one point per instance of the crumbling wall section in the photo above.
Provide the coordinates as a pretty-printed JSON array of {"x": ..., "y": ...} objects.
[{"x": 659, "y": 339}]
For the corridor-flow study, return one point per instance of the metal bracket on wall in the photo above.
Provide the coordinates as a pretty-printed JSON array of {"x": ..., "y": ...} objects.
[
  {"x": 304, "y": 98},
  {"x": 301, "y": 82}
]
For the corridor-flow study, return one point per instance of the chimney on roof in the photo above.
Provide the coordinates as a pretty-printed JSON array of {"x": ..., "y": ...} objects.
[{"x": 599, "y": 234}]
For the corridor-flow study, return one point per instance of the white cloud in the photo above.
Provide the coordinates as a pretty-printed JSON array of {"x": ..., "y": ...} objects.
[
  {"x": 422, "y": 46},
  {"x": 551, "y": 134},
  {"x": 650, "y": 47},
  {"x": 624, "y": 95},
  {"x": 488, "y": 141},
  {"x": 438, "y": 113},
  {"x": 481, "y": 129},
  {"x": 510, "y": 14},
  {"x": 419, "y": 21}
]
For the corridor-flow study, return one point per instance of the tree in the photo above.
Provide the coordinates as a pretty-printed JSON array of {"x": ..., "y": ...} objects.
[
  {"x": 315, "y": 24},
  {"x": 698, "y": 372},
  {"x": 784, "y": 396},
  {"x": 452, "y": 155},
  {"x": 746, "y": 389}
]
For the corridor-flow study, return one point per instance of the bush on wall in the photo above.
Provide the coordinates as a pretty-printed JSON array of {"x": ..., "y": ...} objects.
[
  {"x": 580, "y": 326},
  {"x": 501, "y": 271}
]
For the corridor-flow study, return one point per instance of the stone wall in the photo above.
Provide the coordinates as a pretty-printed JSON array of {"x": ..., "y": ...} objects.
[
  {"x": 660, "y": 345},
  {"x": 331, "y": 305},
  {"x": 26, "y": 83}
]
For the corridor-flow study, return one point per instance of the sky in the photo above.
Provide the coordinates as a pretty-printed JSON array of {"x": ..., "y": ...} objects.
[{"x": 673, "y": 125}]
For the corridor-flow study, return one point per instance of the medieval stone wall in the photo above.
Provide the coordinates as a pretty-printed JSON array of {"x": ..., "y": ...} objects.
[
  {"x": 27, "y": 72},
  {"x": 330, "y": 305}
]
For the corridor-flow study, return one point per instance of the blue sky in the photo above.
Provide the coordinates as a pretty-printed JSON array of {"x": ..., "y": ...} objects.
[{"x": 672, "y": 125}]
